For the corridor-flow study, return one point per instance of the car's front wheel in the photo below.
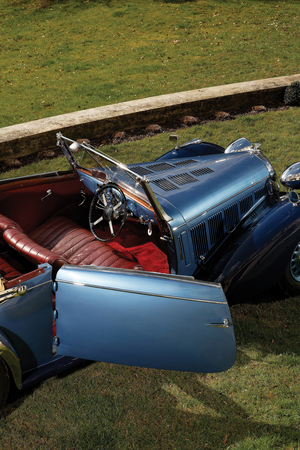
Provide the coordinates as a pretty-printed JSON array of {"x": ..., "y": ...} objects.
[
  {"x": 4, "y": 383},
  {"x": 290, "y": 282}
]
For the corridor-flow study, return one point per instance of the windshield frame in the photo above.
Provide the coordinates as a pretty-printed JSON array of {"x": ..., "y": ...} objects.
[{"x": 143, "y": 182}]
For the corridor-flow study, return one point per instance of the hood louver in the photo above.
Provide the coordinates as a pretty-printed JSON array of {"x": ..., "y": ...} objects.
[
  {"x": 185, "y": 162},
  {"x": 183, "y": 178},
  {"x": 165, "y": 184},
  {"x": 160, "y": 167},
  {"x": 201, "y": 171},
  {"x": 210, "y": 231}
]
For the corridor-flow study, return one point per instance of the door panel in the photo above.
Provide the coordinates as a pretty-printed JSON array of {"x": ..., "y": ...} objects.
[
  {"x": 143, "y": 319},
  {"x": 26, "y": 317}
]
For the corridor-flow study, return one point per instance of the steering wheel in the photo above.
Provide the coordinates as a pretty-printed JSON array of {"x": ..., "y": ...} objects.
[{"x": 108, "y": 212}]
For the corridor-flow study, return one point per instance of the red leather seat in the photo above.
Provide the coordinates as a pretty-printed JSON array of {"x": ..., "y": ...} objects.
[
  {"x": 78, "y": 245},
  {"x": 59, "y": 241}
]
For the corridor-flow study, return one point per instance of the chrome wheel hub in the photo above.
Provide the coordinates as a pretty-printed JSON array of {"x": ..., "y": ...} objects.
[{"x": 295, "y": 264}]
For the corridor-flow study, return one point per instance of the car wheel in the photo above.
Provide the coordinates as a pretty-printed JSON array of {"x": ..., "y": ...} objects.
[
  {"x": 290, "y": 282},
  {"x": 4, "y": 383}
]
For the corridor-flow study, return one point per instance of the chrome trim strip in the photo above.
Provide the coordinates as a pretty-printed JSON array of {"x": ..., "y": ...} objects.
[
  {"x": 141, "y": 293},
  {"x": 218, "y": 204},
  {"x": 39, "y": 285},
  {"x": 185, "y": 278}
]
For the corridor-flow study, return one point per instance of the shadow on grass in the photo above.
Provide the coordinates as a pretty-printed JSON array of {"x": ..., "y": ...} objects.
[
  {"x": 16, "y": 397},
  {"x": 222, "y": 420},
  {"x": 269, "y": 322}
]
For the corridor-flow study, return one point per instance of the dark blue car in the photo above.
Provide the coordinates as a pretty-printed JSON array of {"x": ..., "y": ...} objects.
[{"x": 132, "y": 264}]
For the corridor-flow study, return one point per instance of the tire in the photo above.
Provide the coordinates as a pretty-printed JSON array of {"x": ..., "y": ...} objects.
[
  {"x": 290, "y": 282},
  {"x": 4, "y": 383}
]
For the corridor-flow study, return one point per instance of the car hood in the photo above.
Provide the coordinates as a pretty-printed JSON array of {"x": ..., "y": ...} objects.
[{"x": 193, "y": 186}]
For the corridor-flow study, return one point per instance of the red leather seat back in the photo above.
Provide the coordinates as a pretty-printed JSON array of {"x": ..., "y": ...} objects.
[
  {"x": 32, "y": 251},
  {"x": 6, "y": 223}
]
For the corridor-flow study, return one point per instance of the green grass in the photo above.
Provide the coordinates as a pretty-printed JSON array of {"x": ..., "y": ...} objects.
[{"x": 75, "y": 55}]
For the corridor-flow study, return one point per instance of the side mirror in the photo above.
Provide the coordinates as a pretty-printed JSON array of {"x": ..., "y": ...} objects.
[
  {"x": 290, "y": 178},
  {"x": 294, "y": 198}
]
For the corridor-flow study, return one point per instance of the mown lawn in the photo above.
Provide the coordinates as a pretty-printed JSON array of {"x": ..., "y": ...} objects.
[
  {"x": 76, "y": 54},
  {"x": 73, "y": 55}
]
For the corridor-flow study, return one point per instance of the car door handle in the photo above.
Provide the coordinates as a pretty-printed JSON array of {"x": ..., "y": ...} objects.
[
  {"x": 11, "y": 293},
  {"x": 49, "y": 192},
  {"x": 222, "y": 324}
]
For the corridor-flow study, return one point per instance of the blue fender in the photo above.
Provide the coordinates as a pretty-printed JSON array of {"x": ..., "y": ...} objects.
[
  {"x": 259, "y": 256},
  {"x": 9, "y": 355},
  {"x": 192, "y": 149}
]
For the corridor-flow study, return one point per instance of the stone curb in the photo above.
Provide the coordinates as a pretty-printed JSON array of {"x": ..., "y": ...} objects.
[{"x": 27, "y": 138}]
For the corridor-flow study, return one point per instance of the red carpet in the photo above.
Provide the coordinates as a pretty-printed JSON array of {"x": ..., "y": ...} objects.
[{"x": 148, "y": 255}]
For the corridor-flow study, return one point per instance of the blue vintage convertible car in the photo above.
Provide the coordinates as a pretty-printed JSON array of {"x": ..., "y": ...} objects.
[{"x": 130, "y": 264}]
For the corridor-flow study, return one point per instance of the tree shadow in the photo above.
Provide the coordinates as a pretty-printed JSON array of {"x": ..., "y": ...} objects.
[{"x": 223, "y": 418}]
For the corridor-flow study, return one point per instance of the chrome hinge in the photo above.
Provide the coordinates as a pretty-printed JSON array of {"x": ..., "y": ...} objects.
[
  {"x": 56, "y": 341},
  {"x": 11, "y": 293},
  {"x": 55, "y": 344}
]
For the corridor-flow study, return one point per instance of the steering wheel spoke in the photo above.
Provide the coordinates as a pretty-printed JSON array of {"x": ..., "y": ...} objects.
[{"x": 108, "y": 212}]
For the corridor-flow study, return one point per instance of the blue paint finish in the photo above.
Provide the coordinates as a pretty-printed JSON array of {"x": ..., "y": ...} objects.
[
  {"x": 260, "y": 260},
  {"x": 143, "y": 319},
  {"x": 55, "y": 366},
  {"x": 230, "y": 174},
  {"x": 192, "y": 149},
  {"x": 27, "y": 321}
]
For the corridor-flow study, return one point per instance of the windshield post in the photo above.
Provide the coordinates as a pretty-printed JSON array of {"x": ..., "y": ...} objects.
[{"x": 161, "y": 216}]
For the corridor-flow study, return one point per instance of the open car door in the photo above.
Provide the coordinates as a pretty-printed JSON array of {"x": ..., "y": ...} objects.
[{"x": 143, "y": 319}]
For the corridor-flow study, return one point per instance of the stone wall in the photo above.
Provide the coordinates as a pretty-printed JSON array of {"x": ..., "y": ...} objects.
[{"x": 27, "y": 138}]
